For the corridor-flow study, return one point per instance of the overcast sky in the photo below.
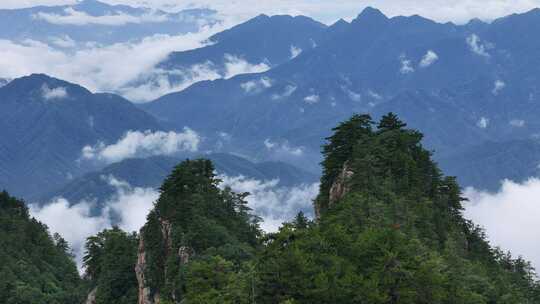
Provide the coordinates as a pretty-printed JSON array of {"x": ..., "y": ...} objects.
[{"x": 458, "y": 11}]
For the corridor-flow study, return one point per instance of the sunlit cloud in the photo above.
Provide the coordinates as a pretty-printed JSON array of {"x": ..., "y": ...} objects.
[
  {"x": 143, "y": 144},
  {"x": 509, "y": 216}
]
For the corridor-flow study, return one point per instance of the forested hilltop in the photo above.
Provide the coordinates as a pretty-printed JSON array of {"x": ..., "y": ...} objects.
[
  {"x": 35, "y": 267},
  {"x": 389, "y": 229}
]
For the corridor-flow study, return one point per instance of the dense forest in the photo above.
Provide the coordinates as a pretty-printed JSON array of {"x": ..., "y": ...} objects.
[
  {"x": 35, "y": 267},
  {"x": 388, "y": 229}
]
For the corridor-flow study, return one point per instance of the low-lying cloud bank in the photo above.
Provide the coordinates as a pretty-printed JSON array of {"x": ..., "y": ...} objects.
[
  {"x": 129, "y": 206},
  {"x": 102, "y": 68},
  {"x": 74, "y": 220},
  {"x": 510, "y": 217},
  {"x": 73, "y": 17},
  {"x": 143, "y": 144},
  {"x": 158, "y": 82},
  {"x": 274, "y": 204}
]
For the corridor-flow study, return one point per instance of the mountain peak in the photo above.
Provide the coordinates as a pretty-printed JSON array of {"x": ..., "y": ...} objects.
[
  {"x": 370, "y": 13},
  {"x": 340, "y": 22},
  {"x": 91, "y": 3},
  {"x": 262, "y": 17},
  {"x": 42, "y": 86},
  {"x": 38, "y": 79}
]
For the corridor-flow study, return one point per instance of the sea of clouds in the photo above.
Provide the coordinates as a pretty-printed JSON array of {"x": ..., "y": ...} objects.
[{"x": 129, "y": 206}]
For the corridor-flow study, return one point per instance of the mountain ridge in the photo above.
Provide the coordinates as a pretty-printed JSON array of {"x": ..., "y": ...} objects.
[
  {"x": 46, "y": 124},
  {"x": 467, "y": 68}
]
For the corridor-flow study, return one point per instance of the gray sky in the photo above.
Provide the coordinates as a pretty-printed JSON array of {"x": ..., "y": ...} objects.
[{"x": 458, "y": 11}]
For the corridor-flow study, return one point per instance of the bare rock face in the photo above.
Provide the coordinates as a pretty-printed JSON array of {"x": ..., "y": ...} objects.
[
  {"x": 166, "y": 232},
  {"x": 145, "y": 292},
  {"x": 184, "y": 255},
  {"x": 91, "y": 299},
  {"x": 140, "y": 267},
  {"x": 341, "y": 186}
]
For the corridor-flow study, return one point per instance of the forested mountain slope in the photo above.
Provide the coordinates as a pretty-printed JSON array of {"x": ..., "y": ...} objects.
[
  {"x": 35, "y": 267},
  {"x": 389, "y": 229},
  {"x": 45, "y": 124}
]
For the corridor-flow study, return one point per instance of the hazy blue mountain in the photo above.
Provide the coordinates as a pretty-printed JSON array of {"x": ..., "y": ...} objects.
[
  {"x": 486, "y": 165},
  {"x": 255, "y": 45},
  {"x": 45, "y": 124},
  {"x": 463, "y": 85},
  {"x": 150, "y": 172},
  {"x": 94, "y": 21}
]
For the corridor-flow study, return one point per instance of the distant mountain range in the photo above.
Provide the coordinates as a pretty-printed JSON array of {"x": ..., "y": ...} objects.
[
  {"x": 463, "y": 84},
  {"x": 255, "y": 46},
  {"x": 473, "y": 88},
  {"x": 264, "y": 41},
  {"x": 45, "y": 124},
  {"x": 91, "y": 21},
  {"x": 150, "y": 173}
]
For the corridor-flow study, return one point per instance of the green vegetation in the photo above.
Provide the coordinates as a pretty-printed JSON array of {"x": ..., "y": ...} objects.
[
  {"x": 35, "y": 267},
  {"x": 395, "y": 235},
  {"x": 389, "y": 230},
  {"x": 109, "y": 263},
  {"x": 199, "y": 239}
]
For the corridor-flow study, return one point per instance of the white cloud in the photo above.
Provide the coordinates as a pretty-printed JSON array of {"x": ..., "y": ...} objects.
[
  {"x": 256, "y": 86},
  {"x": 4, "y": 82},
  {"x": 312, "y": 99},
  {"x": 406, "y": 65},
  {"x": 143, "y": 144},
  {"x": 483, "y": 123},
  {"x": 509, "y": 216},
  {"x": 498, "y": 86},
  {"x": 273, "y": 203},
  {"x": 476, "y": 45},
  {"x": 63, "y": 42},
  {"x": 283, "y": 148},
  {"x": 156, "y": 83},
  {"x": 73, "y": 17},
  {"x": 53, "y": 93},
  {"x": 354, "y": 96},
  {"x": 128, "y": 207},
  {"x": 268, "y": 144},
  {"x": 429, "y": 58},
  {"x": 225, "y": 136},
  {"x": 295, "y": 51},
  {"x": 459, "y": 11},
  {"x": 289, "y": 90},
  {"x": 374, "y": 95},
  {"x": 74, "y": 221},
  {"x": 518, "y": 123},
  {"x": 111, "y": 68},
  {"x": 130, "y": 204},
  {"x": 235, "y": 66},
  {"x": 14, "y": 4}
]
